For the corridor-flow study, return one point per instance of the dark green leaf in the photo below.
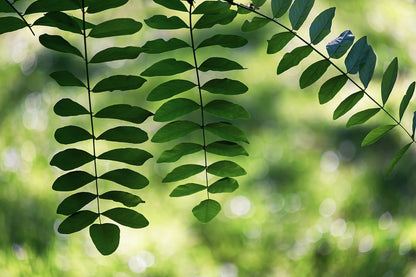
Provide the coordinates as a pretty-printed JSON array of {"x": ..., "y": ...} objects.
[
  {"x": 183, "y": 172},
  {"x": 174, "y": 130},
  {"x": 96, "y": 6},
  {"x": 225, "y": 109},
  {"x": 169, "y": 89},
  {"x": 115, "y": 54},
  {"x": 5, "y": 7},
  {"x": 299, "y": 11},
  {"x": 131, "y": 156},
  {"x": 313, "y": 73},
  {"x": 223, "y": 185},
  {"x": 127, "y": 217},
  {"x": 398, "y": 157},
  {"x": 321, "y": 26},
  {"x": 414, "y": 125},
  {"x": 115, "y": 27},
  {"x": 280, "y": 7},
  {"x": 106, "y": 237},
  {"x": 167, "y": 67},
  {"x": 75, "y": 202},
  {"x": 59, "y": 20},
  {"x": 254, "y": 24},
  {"x": 258, "y": 3},
  {"x": 67, "y": 107},
  {"x": 165, "y": 23},
  {"x": 339, "y": 46},
  {"x": 389, "y": 78},
  {"x": 209, "y": 20},
  {"x": 52, "y": 5},
  {"x": 278, "y": 41},
  {"x": 367, "y": 69},
  {"x": 178, "y": 151},
  {"x": 331, "y": 87},
  {"x": 219, "y": 64},
  {"x": 175, "y": 108},
  {"x": 77, "y": 221},
  {"x": 361, "y": 117},
  {"x": 206, "y": 210},
  {"x": 226, "y": 148},
  {"x": 71, "y": 134},
  {"x": 187, "y": 189},
  {"x": 72, "y": 181},
  {"x": 225, "y": 86},
  {"x": 357, "y": 56},
  {"x": 211, "y": 7},
  {"x": 293, "y": 58},
  {"x": 226, "y": 131},
  {"x": 347, "y": 104},
  {"x": 226, "y": 169},
  {"x": 375, "y": 134},
  {"x": 59, "y": 44},
  {"x": 127, "y": 178},
  {"x": 227, "y": 41},
  {"x": 65, "y": 78},
  {"x": 124, "y": 112},
  {"x": 406, "y": 99},
  {"x": 71, "y": 159},
  {"x": 125, "y": 198},
  {"x": 127, "y": 134},
  {"x": 119, "y": 82},
  {"x": 172, "y": 4},
  {"x": 160, "y": 45}
]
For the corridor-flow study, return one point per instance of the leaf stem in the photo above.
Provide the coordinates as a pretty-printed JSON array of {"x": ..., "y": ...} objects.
[{"x": 21, "y": 16}]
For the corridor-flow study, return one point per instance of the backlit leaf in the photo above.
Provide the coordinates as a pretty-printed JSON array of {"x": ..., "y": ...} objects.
[
  {"x": 206, "y": 210},
  {"x": 321, "y": 26},
  {"x": 226, "y": 148},
  {"x": 175, "y": 108},
  {"x": 339, "y": 46},
  {"x": 293, "y": 58},
  {"x": 187, "y": 189},
  {"x": 125, "y": 198},
  {"x": 71, "y": 159},
  {"x": 347, "y": 104},
  {"x": 226, "y": 169},
  {"x": 115, "y": 54},
  {"x": 127, "y": 217},
  {"x": 361, "y": 117},
  {"x": 280, "y": 7},
  {"x": 77, "y": 221},
  {"x": 72, "y": 181},
  {"x": 119, "y": 82},
  {"x": 160, "y": 45},
  {"x": 331, "y": 87},
  {"x": 313, "y": 73},
  {"x": 167, "y": 67},
  {"x": 398, "y": 157},
  {"x": 169, "y": 89},
  {"x": 226, "y": 109},
  {"x": 225, "y": 86},
  {"x": 165, "y": 23},
  {"x": 127, "y": 134},
  {"x": 375, "y": 134},
  {"x": 227, "y": 41},
  {"x": 406, "y": 99},
  {"x": 389, "y": 78},
  {"x": 124, "y": 112},
  {"x": 223, "y": 185},
  {"x": 226, "y": 131},
  {"x": 65, "y": 78},
  {"x": 59, "y": 20},
  {"x": 357, "y": 56},
  {"x": 71, "y": 134},
  {"x": 96, "y": 6},
  {"x": 131, "y": 156},
  {"x": 67, "y": 107},
  {"x": 299, "y": 11},
  {"x": 172, "y": 4},
  {"x": 106, "y": 237},
  {"x": 183, "y": 172},
  {"x": 209, "y": 20},
  {"x": 126, "y": 177},
  {"x": 174, "y": 130},
  {"x": 254, "y": 24},
  {"x": 59, "y": 44},
  {"x": 115, "y": 27},
  {"x": 75, "y": 202},
  {"x": 178, "y": 151},
  {"x": 367, "y": 69},
  {"x": 219, "y": 64},
  {"x": 278, "y": 41}
]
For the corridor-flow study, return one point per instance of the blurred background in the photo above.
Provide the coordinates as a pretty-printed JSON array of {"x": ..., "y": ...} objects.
[{"x": 314, "y": 203}]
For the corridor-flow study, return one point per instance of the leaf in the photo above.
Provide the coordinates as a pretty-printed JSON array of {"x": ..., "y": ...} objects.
[
  {"x": 223, "y": 185},
  {"x": 72, "y": 181},
  {"x": 278, "y": 41},
  {"x": 406, "y": 99},
  {"x": 119, "y": 82},
  {"x": 67, "y": 107},
  {"x": 71, "y": 159},
  {"x": 280, "y": 7},
  {"x": 65, "y": 78},
  {"x": 206, "y": 210},
  {"x": 167, "y": 67},
  {"x": 347, "y": 104},
  {"x": 127, "y": 217},
  {"x": 77, "y": 221},
  {"x": 313, "y": 73},
  {"x": 124, "y": 112},
  {"x": 293, "y": 58},
  {"x": 414, "y": 125},
  {"x": 131, "y": 156},
  {"x": 357, "y": 56},
  {"x": 227, "y": 41},
  {"x": 226, "y": 131},
  {"x": 321, "y": 26},
  {"x": 398, "y": 157},
  {"x": 219, "y": 64},
  {"x": 126, "y": 177},
  {"x": 389, "y": 78},
  {"x": 211, "y": 7},
  {"x": 5, "y": 7},
  {"x": 178, "y": 151},
  {"x": 125, "y": 198},
  {"x": 339, "y": 46},
  {"x": 299, "y": 11},
  {"x": 226, "y": 109},
  {"x": 225, "y": 86},
  {"x": 115, "y": 27},
  {"x": 187, "y": 189},
  {"x": 211, "y": 19},
  {"x": 115, "y": 54},
  {"x": 71, "y": 134},
  {"x": 258, "y": 3},
  {"x": 160, "y": 45},
  {"x": 51, "y": 5},
  {"x": 75, "y": 202},
  {"x": 226, "y": 169},
  {"x": 127, "y": 134},
  {"x": 367, "y": 69},
  {"x": 174, "y": 130},
  {"x": 175, "y": 108},
  {"x": 254, "y": 24},
  {"x": 96, "y": 6},
  {"x": 59, "y": 20},
  {"x": 165, "y": 23},
  {"x": 183, "y": 172},
  {"x": 59, "y": 44},
  {"x": 331, "y": 87},
  {"x": 361, "y": 117},
  {"x": 226, "y": 148},
  {"x": 172, "y": 4},
  {"x": 169, "y": 89},
  {"x": 375, "y": 134},
  {"x": 106, "y": 237}
]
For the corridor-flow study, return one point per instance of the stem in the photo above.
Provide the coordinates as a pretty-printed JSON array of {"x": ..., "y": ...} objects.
[
  {"x": 200, "y": 99},
  {"x": 90, "y": 108},
  {"x": 21, "y": 16}
]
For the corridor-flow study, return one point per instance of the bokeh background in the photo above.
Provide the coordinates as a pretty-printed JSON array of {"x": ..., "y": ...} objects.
[{"x": 314, "y": 203}]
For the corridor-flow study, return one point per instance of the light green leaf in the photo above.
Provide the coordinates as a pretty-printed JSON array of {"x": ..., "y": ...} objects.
[
  {"x": 115, "y": 27},
  {"x": 178, "y": 151},
  {"x": 175, "y": 108},
  {"x": 361, "y": 117},
  {"x": 293, "y": 58},
  {"x": 367, "y": 69},
  {"x": 165, "y": 23},
  {"x": 65, "y": 78},
  {"x": 299, "y": 11},
  {"x": 187, "y": 189},
  {"x": 124, "y": 112},
  {"x": 127, "y": 134},
  {"x": 227, "y": 41},
  {"x": 206, "y": 210},
  {"x": 77, "y": 221},
  {"x": 339, "y": 46},
  {"x": 219, "y": 64},
  {"x": 375, "y": 134},
  {"x": 183, "y": 172},
  {"x": 278, "y": 41},
  {"x": 75, "y": 202},
  {"x": 125, "y": 198},
  {"x": 226, "y": 169},
  {"x": 59, "y": 44},
  {"x": 72, "y": 181},
  {"x": 119, "y": 82},
  {"x": 160, "y": 45},
  {"x": 321, "y": 26},
  {"x": 59, "y": 20},
  {"x": 226, "y": 109},
  {"x": 223, "y": 185},
  {"x": 96, "y": 6},
  {"x": 226, "y": 131},
  {"x": 389, "y": 78},
  {"x": 169, "y": 89},
  {"x": 67, "y": 107},
  {"x": 406, "y": 99},
  {"x": 106, "y": 237},
  {"x": 313, "y": 73},
  {"x": 71, "y": 159},
  {"x": 71, "y": 134},
  {"x": 127, "y": 217},
  {"x": 225, "y": 86},
  {"x": 347, "y": 104},
  {"x": 331, "y": 87},
  {"x": 167, "y": 67},
  {"x": 254, "y": 24},
  {"x": 116, "y": 54},
  {"x": 131, "y": 156},
  {"x": 280, "y": 7},
  {"x": 172, "y": 4},
  {"x": 174, "y": 130},
  {"x": 226, "y": 148},
  {"x": 126, "y": 177},
  {"x": 398, "y": 157}
]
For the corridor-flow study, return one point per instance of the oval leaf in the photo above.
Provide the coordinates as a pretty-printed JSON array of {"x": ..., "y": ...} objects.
[
  {"x": 10, "y": 24},
  {"x": 172, "y": 4},
  {"x": 187, "y": 189},
  {"x": 219, "y": 64},
  {"x": 67, "y": 107},
  {"x": 72, "y": 181},
  {"x": 375, "y": 134},
  {"x": 254, "y": 24},
  {"x": 280, "y": 7},
  {"x": 174, "y": 130},
  {"x": 361, "y": 117},
  {"x": 125, "y": 198},
  {"x": 339, "y": 46},
  {"x": 299, "y": 11},
  {"x": 167, "y": 67},
  {"x": 225, "y": 86},
  {"x": 223, "y": 185},
  {"x": 71, "y": 134},
  {"x": 131, "y": 156},
  {"x": 398, "y": 157},
  {"x": 347, "y": 104},
  {"x": 389, "y": 78},
  {"x": 126, "y": 177},
  {"x": 124, "y": 112},
  {"x": 183, "y": 172},
  {"x": 225, "y": 109},
  {"x": 59, "y": 20},
  {"x": 169, "y": 89},
  {"x": 278, "y": 41},
  {"x": 210, "y": 19},
  {"x": 406, "y": 99},
  {"x": 59, "y": 44},
  {"x": 226, "y": 148},
  {"x": 127, "y": 134},
  {"x": 313, "y": 73},
  {"x": 175, "y": 108},
  {"x": 115, "y": 27},
  {"x": 127, "y": 217},
  {"x": 160, "y": 45},
  {"x": 321, "y": 26},
  {"x": 357, "y": 56},
  {"x": 331, "y": 87},
  {"x": 293, "y": 58},
  {"x": 77, "y": 221},
  {"x": 116, "y": 54},
  {"x": 367, "y": 69},
  {"x": 178, "y": 151},
  {"x": 165, "y": 23},
  {"x": 227, "y": 41},
  {"x": 226, "y": 131},
  {"x": 71, "y": 159},
  {"x": 119, "y": 82},
  {"x": 75, "y": 202},
  {"x": 206, "y": 210},
  {"x": 106, "y": 237},
  {"x": 65, "y": 78},
  {"x": 96, "y": 6},
  {"x": 226, "y": 169}
]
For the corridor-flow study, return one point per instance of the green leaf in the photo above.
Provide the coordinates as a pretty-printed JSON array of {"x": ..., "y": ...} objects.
[
  {"x": 131, "y": 156},
  {"x": 115, "y": 54},
  {"x": 254, "y": 24},
  {"x": 77, "y": 221},
  {"x": 258, "y": 3},
  {"x": 183, "y": 172},
  {"x": 96, "y": 6},
  {"x": 321, "y": 26},
  {"x": 59, "y": 20},
  {"x": 127, "y": 134},
  {"x": 178, "y": 151},
  {"x": 71, "y": 159},
  {"x": 119, "y": 82},
  {"x": 172, "y": 4},
  {"x": 211, "y": 7},
  {"x": 5, "y": 7},
  {"x": 75, "y": 202},
  {"x": 175, "y": 108},
  {"x": 115, "y": 27},
  {"x": 106, "y": 237},
  {"x": 313, "y": 73},
  {"x": 169, "y": 89},
  {"x": 72, "y": 181},
  {"x": 71, "y": 134},
  {"x": 280, "y": 7},
  {"x": 357, "y": 56},
  {"x": 187, "y": 189},
  {"x": 331, "y": 87},
  {"x": 206, "y": 210},
  {"x": 361, "y": 117},
  {"x": 339, "y": 46},
  {"x": 219, "y": 64},
  {"x": 227, "y": 41},
  {"x": 59, "y": 44},
  {"x": 174, "y": 130},
  {"x": 414, "y": 125},
  {"x": 167, "y": 67},
  {"x": 398, "y": 157},
  {"x": 347, "y": 104},
  {"x": 125, "y": 198},
  {"x": 124, "y": 112},
  {"x": 226, "y": 131},
  {"x": 226, "y": 109},
  {"x": 299, "y": 11},
  {"x": 223, "y": 185},
  {"x": 127, "y": 217},
  {"x": 126, "y": 177},
  {"x": 67, "y": 107},
  {"x": 293, "y": 58},
  {"x": 225, "y": 86},
  {"x": 51, "y": 5},
  {"x": 389, "y": 78},
  {"x": 160, "y": 45},
  {"x": 226, "y": 148},
  {"x": 367, "y": 69},
  {"x": 209, "y": 20},
  {"x": 406, "y": 99},
  {"x": 226, "y": 169},
  {"x": 375, "y": 134},
  {"x": 278, "y": 41},
  {"x": 165, "y": 23},
  {"x": 65, "y": 78}
]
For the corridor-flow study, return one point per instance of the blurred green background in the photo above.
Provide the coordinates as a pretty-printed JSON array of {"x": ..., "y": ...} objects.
[{"x": 314, "y": 203}]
